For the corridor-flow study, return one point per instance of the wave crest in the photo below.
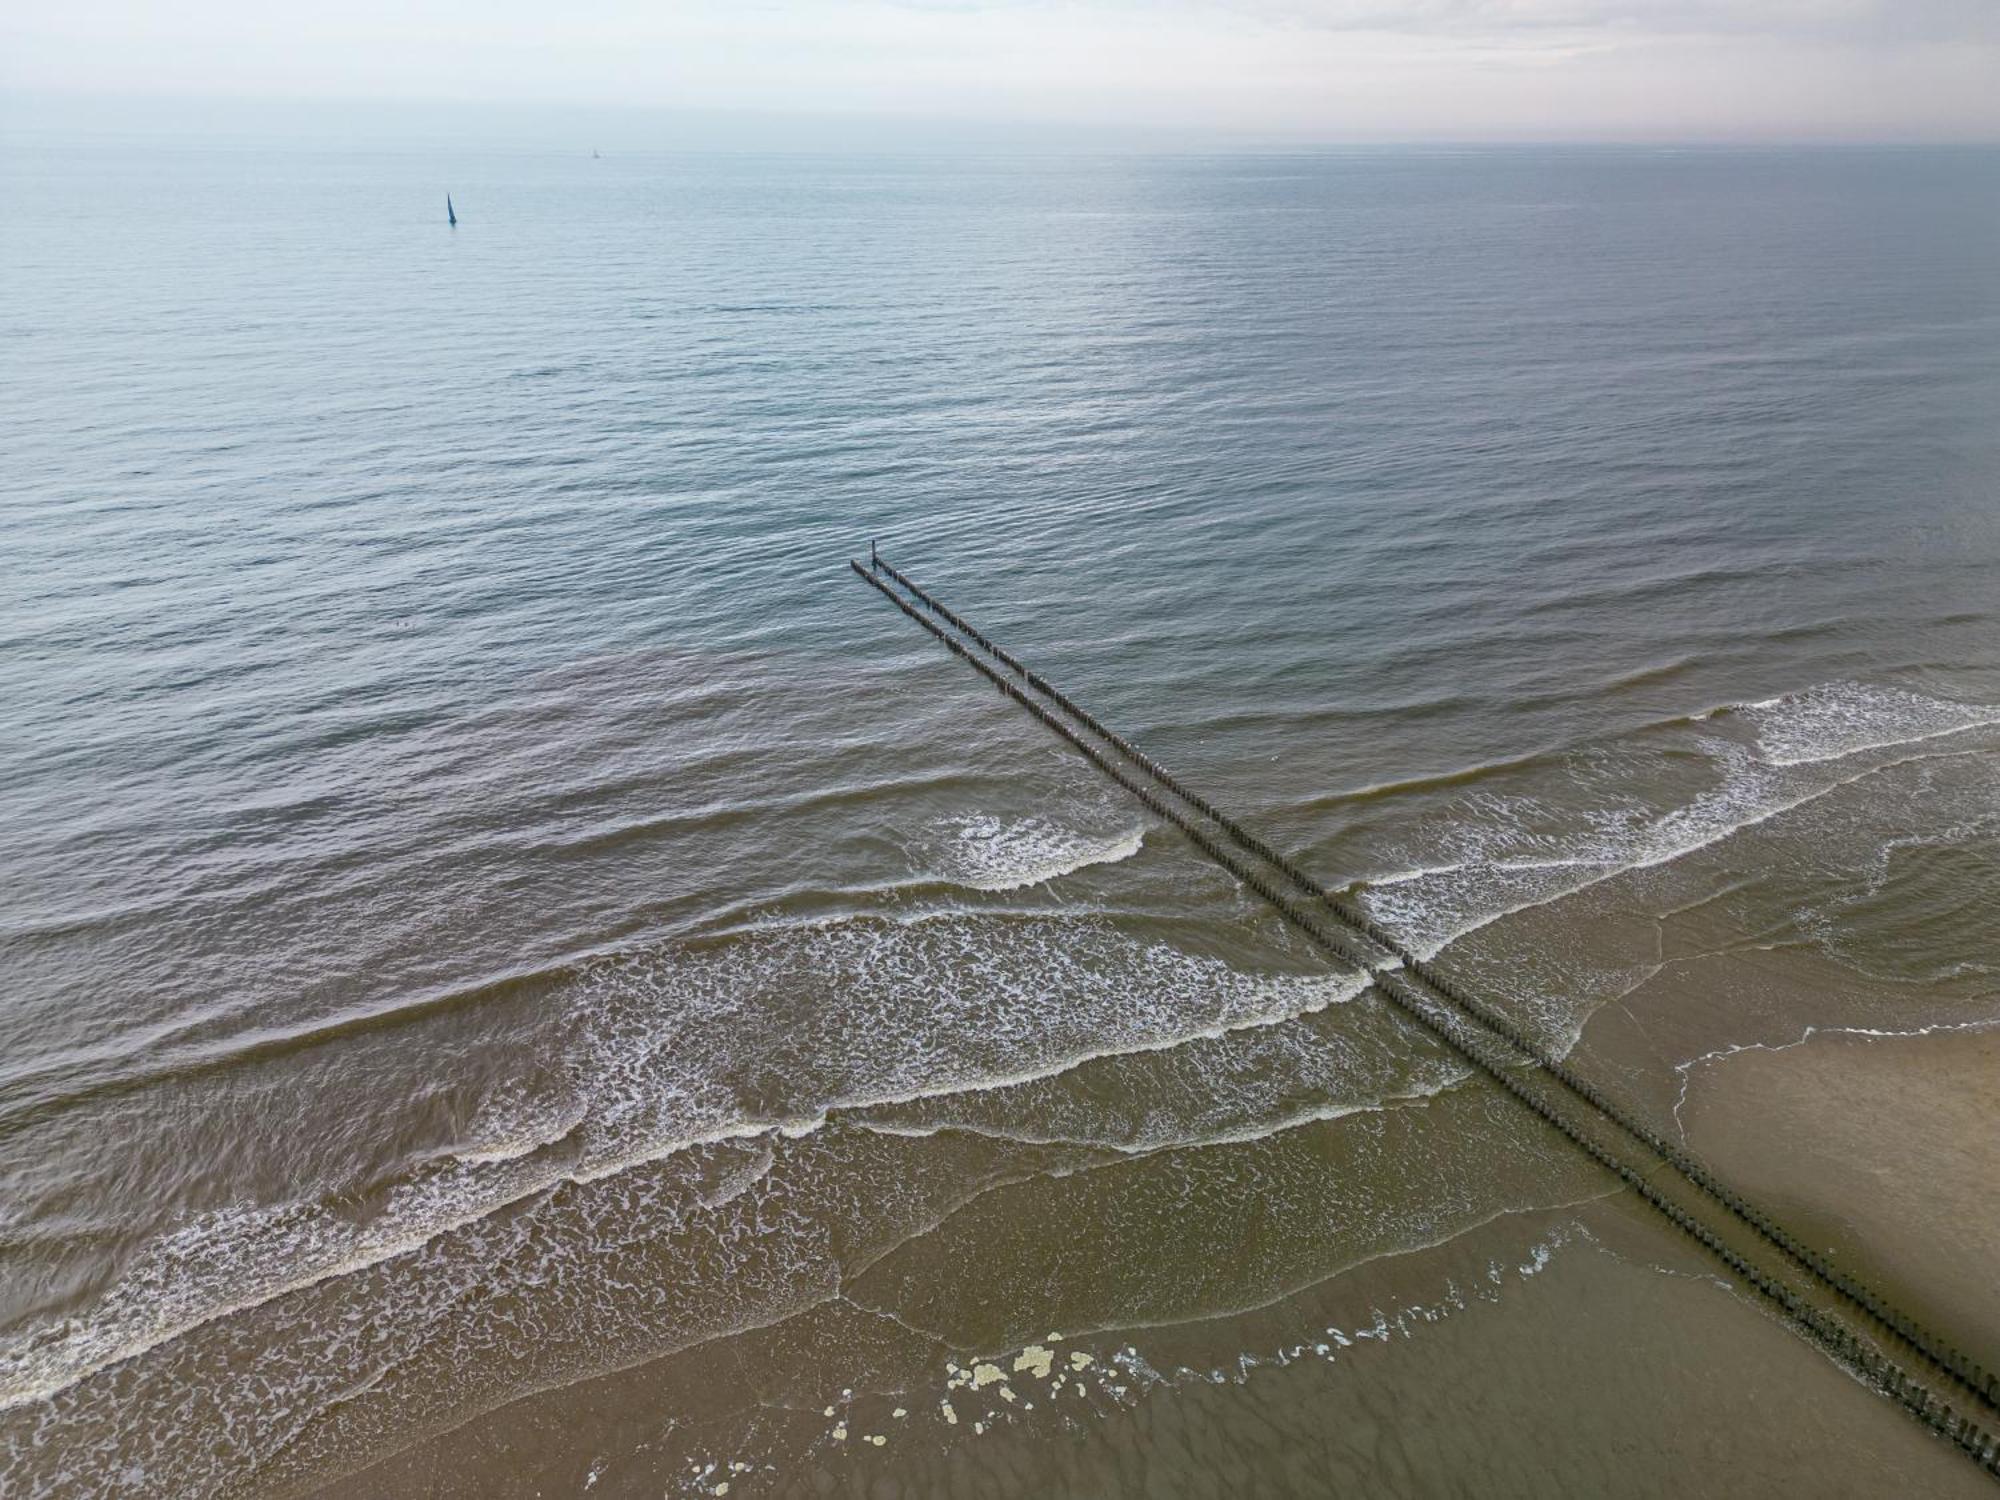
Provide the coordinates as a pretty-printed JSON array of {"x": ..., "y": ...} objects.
[{"x": 987, "y": 853}]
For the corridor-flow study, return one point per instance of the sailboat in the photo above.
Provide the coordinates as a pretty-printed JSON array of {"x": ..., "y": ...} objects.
[{"x": 450, "y": 214}]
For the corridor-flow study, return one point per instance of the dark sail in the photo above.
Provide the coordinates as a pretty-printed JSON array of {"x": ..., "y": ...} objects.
[{"x": 450, "y": 215}]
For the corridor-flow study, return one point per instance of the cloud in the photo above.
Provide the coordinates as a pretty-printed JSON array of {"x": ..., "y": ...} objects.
[
  {"x": 1801, "y": 20},
  {"x": 1290, "y": 69}
]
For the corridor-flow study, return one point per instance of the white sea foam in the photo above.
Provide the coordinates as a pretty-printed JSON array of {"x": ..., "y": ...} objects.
[
  {"x": 666, "y": 1059},
  {"x": 1686, "y": 1070},
  {"x": 1195, "y": 1138},
  {"x": 1845, "y": 718},
  {"x": 988, "y": 853},
  {"x": 1445, "y": 903},
  {"x": 1117, "y": 1375},
  {"x": 1508, "y": 860},
  {"x": 1230, "y": 1088}
]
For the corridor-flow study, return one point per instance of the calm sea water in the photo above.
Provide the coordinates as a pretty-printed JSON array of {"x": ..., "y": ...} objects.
[{"x": 521, "y": 975}]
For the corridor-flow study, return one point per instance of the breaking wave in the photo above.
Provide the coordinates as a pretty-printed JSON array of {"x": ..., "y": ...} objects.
[
  {"x": 987, "y": 853},
  {"x": 684, "y": 1048}
]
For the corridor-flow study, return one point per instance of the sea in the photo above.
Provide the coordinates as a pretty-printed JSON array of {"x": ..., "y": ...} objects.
[{"x": 521, "y": 976}]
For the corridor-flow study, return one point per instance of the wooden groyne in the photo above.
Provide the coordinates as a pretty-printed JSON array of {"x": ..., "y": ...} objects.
[{"x": 1816, "y": 1297}]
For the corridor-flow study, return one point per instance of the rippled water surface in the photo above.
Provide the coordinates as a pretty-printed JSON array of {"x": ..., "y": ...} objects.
[{"x": 522, "y": 976}]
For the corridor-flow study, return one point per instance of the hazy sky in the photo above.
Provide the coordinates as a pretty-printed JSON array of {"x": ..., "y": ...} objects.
[{"x": 1306, "y": 70}]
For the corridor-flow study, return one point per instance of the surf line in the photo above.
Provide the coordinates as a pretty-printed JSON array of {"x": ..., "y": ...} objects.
[{"x": 1488, "y": 1040}]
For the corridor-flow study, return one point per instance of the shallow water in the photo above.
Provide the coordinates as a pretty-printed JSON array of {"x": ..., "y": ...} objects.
[{"x": 521, "y": 972}]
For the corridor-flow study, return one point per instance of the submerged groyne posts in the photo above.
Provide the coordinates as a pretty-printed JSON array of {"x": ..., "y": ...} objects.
[{"x": 1470, "y": 1028}]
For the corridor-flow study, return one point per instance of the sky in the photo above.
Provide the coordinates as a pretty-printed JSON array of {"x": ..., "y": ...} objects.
[{"x": 1298, "y": 71}]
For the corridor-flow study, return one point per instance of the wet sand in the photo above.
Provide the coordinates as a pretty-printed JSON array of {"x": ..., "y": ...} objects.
[
  {"x": 1886, "y": 1148},
  {"x": 1580, "y": 1351}
]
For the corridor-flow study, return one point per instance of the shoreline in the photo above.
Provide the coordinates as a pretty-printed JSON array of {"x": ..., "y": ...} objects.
[{"x": 1883, "y": 1147}]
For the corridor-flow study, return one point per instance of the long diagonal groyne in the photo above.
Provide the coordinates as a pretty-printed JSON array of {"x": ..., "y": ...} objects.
[
  {"x": 1819, "y": 1299},
  {"x": 1948, "y": 1360}
]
